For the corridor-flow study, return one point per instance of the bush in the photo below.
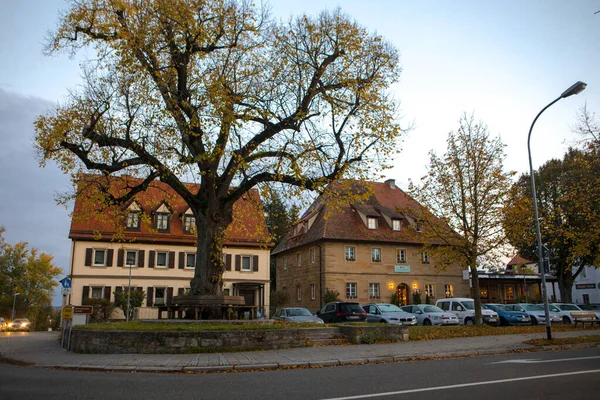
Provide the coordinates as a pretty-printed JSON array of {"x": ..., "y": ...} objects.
[
  {"x": 279, "y": 298},
  {"x": 102, "y": 309},
  {"x": 331, "y": 295},
  {"x": 136, "y": 299},
  {"x": 427, "y": 299},
  {"x": 416, "y": 297}
]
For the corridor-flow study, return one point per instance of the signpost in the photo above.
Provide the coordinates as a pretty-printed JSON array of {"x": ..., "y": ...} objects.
[
  {"x": 83, "y": 309},
  {"x": 67, "y": 313}
]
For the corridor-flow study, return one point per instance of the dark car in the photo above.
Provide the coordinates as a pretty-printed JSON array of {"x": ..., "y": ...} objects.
[
  {"x": 509, "y": 315},
  {"x": 342, "y": 312}
]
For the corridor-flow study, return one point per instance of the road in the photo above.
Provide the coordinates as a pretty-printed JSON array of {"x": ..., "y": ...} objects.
[{"x": 570, "y": 374}]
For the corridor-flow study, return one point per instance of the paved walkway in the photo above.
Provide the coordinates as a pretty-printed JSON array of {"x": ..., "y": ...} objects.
[{"x": 43, "y": 349}]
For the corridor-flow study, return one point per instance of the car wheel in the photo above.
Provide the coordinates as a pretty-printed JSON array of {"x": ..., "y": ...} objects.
[
  {"x": 427, "y": 322},
  {"x": 534, "y": 321},
  {"x": 503, "y": 322},
  {"x": 566, "y": 320},
  {"x": 383, "y": 321},
  {"x": 469, "y": 321}
]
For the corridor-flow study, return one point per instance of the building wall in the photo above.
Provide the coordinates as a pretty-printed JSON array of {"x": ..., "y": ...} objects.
[
  {"x": 114, "y": 276},
  {"x": 337, "y": 272},
  {"x": 587, "y": 286}
]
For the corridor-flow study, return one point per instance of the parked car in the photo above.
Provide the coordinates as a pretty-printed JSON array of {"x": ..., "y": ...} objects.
[
  {"x": 340, "y": 311},
  {"x": 464, "y": 308},
  {"x": 509, "y": 315},
  {"x": 565, "y": 310},
  {"x": 388, "y": 314},
  {"x": 296, "y": 314},
  {"x": 21, "y": 324},
  {"x": 2, "y": 324},
  {"x": 537, "y": 314},
  {"x": 590, "y": 307},
  {"x": 431, "y": 315}
]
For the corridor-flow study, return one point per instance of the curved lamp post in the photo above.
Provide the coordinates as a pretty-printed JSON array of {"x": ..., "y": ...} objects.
[
  {"x": 576, "y": 88},
  {"x": 14, "y": 304}
]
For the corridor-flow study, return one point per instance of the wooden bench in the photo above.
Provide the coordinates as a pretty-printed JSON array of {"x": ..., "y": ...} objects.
[
  {"x": 232, "y": 307},
  {"x": 585, "y": 317}
]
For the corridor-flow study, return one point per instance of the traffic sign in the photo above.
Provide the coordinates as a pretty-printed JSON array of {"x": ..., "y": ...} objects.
[
  {"x": 65, "y": 291},
  {"x": 67, "y": 313},
  {"x": 66, "y": 283},
  {"x": 83, "y": 309}
]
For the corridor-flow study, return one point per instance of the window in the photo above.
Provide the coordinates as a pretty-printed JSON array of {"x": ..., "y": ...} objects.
[
  {"x": 312, "y": 256},
  {"x": 160, "y": 296},
  {"x": 189, "y": 224},
  {"x": 162, "y": 221},
  {"x": 419, "y": 226},
  {"x": 99, "y": 257},
  {"x": 131, "y": 258},
  {"x": 299, "y": 292},
  {"x": 375, "y": 254},
  {"x": 97, "y": 292},
  {"x": 448, "y": 290},
  {"x": 372, "y": 223},
  {"x": 400, "y": 256},
  {"x": 430, "y": 290},
  {"x": 133, "y": 220},
  {"x": 586, "y": 298},
  {"x": 483, "y": 293},
  {"x": 285, "y": 263},
  {"x": 396, "y": 225},
  {"x": 246, "y": 263},
  {"x": 298, "y": 259},
  {"x": 373, "y": 290},
  {"x": 161, "y": 259},
  {"x": 424, "y": 258},
  {"x": 351, "y": 290},
  {"x": 350, "y": 254},
  {"x": 190, "y": 260},
  {"x": 313, "y": 291}
]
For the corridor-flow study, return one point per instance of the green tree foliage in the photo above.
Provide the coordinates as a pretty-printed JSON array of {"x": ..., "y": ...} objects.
[
  {"x": 31, "y": 274},
  {"x": 216, "y": 92},
  {"x": 102, "y": 309},
  {"x": 462, "y": 197},
  {"x": 331, "y": 295},
  {"x": 568, "y": 193},
  {"x": 133, "y": 297}
]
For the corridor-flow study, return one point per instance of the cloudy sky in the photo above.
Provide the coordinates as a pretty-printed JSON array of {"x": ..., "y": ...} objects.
[{"x": 502, "y": 60}]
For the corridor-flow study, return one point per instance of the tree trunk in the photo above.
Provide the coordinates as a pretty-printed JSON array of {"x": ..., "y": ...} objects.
[
  {"x": 476, "y": 293},
  {"x": 565, "y": 286},
  {"x": 210, "y": 229}
]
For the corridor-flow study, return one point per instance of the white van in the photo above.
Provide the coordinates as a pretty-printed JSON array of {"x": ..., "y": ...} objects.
[{"x": 464, "y": 308}]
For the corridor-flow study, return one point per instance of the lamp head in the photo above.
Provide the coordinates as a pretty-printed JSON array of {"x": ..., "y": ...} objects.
[{"x": 576, "y": 88}]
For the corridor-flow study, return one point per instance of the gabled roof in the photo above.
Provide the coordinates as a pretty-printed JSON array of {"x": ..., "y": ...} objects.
[
  {"x": 518, "y": 260},
  {"x": 90, "y": 220},
  {"x": 345, "y": 223}
]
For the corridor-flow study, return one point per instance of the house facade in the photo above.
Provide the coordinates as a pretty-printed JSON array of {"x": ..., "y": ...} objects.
[
  {"x": 150, "y": 245},
  {"x": 586, "y": 288},
  {"x": 367, "y": 252}
]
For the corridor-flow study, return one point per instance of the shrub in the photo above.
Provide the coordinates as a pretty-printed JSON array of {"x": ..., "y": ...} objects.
[
  {"x": 416, "y": 297},
  {"x": 331, "y": 295},
  {"x": 279, "y": 298},
  {"x": 102, "y": 309},
  {"x": 427, "y": 299},
  {"x": 136, "y": 299}
]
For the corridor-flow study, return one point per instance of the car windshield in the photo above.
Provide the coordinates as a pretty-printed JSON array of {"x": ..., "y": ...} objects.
[
  {"x": 533, "y": 307},
  {"x": 569, "y": 307},
  {"x": 298, "y": 312},
  {"x": 351, "y": 307},
  {"x": 553, "y": 308},
  {"x": 432, "y": 309},
  {"x": 469, "y": 305},
  {"x": 389, "y": 308}
]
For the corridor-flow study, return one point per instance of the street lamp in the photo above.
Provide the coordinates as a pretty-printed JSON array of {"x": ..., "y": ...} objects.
[
  {"x": 576, "y": 88},
  {"x": 14, "y": 304}
]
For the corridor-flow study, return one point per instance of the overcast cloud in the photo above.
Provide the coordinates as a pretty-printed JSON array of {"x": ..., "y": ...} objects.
[{"x": 29, "y": 211}]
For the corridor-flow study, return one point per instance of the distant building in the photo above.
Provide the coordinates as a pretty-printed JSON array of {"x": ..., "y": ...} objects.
[
  {"x": 586, "y": 288},
  {"x": 368, "y": 252},
  {"x": 152, "y": 238}
]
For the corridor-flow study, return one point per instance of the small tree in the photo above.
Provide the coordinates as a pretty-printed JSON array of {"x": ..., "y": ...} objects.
[
  {"x": 331, "y": 295},
  {"x": 135, "y": 300},
  {"x": 102, "y": 309},
  {"x": 416, "y": 297}
]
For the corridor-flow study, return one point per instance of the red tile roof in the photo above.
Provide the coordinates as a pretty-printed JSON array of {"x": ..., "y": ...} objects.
[
  {"x": 518, "y": 260},
  {"x": 90, "y": 220},
  {"x": 345, "y": 223}
]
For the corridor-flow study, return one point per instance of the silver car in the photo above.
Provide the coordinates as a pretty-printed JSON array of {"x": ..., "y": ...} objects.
[
  {"x": 565, "y": 310},
  {"x": 431, "y": 315},
  {"x": 389, "y": 314},
  {"x": 296, "y": 314},
  {"x": 537, "y": 314}
]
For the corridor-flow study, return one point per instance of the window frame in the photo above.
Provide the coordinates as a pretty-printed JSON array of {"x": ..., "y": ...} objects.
[
  {"x": 430, "y": 290},
  {"x": 158, "y": 217},
  {"x": 313, "y": 291},
  {"x": 285, "y": 263},
  {"x": 166, "y": 253},
  {"x": 163, "y": 299},
  {"x": 128, "y": 219},
  {"x": 400, "y": 256},
  {"x": 299, "y": 259},
  {"x": 448, "y": 290},
  {"x": 419, "y": 226},
  {"x": 372, "y": 223},
  {"x": 186, "y": 265},
  {"x": 243, "y": 257},
  {"x": 299, "y": 292},
  {"x": 350, "y": 287},
  {"x": 425, "y": 258},
  {"x": 312, "y": 255},
  {"x": 100, "y": 288},
  {"x": 105, "y": 256},
  {"x": 353, "y": 251},
  {"x": 374, "y": 251},
  {"x": 372, "y": 294},
  {"x": 189, "y": 224},
  {"x": 396, "y": 225}
]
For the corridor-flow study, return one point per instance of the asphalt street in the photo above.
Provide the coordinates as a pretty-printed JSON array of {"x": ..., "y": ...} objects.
[{"x": 567, "y": 374}]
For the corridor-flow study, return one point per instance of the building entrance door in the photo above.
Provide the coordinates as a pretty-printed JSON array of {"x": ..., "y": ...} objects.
[
  {"x": 402, "y": 294},
  {"x": 248, "y": 296}
]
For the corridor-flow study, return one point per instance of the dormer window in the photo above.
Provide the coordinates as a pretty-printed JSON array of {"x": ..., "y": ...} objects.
[
  {"x": 372, "y": 223},
  {"x": 189, "y": 224},
  {"x": 133, "y": 220},
  {"x": 161, "y": 221},
  {"x": 396, "y": 225},
  {"x": 419, "y": 226}
]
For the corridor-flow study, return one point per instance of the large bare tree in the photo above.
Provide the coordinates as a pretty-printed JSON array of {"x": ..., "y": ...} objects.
[
  {"x": 215, "y": 92},
  {"x": 465, "y": 190}
]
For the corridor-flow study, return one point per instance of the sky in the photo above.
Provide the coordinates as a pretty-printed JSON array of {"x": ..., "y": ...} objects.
[{"x": 503, "y": 61}]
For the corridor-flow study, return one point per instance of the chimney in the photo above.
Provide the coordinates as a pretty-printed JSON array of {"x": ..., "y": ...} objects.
[{"x": 391, "y": 183}]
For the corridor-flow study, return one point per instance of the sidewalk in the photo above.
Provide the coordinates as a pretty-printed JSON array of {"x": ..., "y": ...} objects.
[{"x": 43, "y": 349}]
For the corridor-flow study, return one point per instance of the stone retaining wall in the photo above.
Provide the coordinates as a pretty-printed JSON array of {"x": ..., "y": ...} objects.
[{"x": 162, "y": 342}]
